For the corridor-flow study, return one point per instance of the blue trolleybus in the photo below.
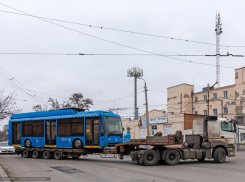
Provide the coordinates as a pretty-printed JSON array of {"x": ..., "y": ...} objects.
[{"x": 67, "y": 128}]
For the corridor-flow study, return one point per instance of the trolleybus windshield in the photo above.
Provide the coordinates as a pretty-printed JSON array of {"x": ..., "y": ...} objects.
[{"x": 113, "y": 125}]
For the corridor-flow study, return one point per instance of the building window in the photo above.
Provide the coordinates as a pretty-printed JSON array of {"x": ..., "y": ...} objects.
[
  {"x": 225, "y": 94},
  {"x": 154, "y": 130},
  {"x": 205, "y": 97},
  {"x": 214, "y": 96},
  {"x": 215, "y": 112},
  {"x": 196, "y": 113},
  {"x": 195, "y": 99},
  {"x": 242, "y": 136},
  {"x": 225, "y": 110},
  {"x": 205, "y": 112}
]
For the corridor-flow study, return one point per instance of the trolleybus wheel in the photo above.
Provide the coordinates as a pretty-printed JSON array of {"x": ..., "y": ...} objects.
[
  {"x": 219, "y": 155},
  {"x": 37, "y": 154},
  {"x": 172, "y": 157},
  {"x": 27, "y": 154},
  {"x": 57, "y": 155},
  {"x": 28, "y": 143},
  {"x": 150, "y": 158},
  {"x": 77, "y": 144},
  {"x": 48, "y": 155}
]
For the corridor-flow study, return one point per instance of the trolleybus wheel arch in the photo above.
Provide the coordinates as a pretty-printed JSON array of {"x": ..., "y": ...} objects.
[
  {"x": 48, "y": 154},
  {"x": 77, "y": 144},
  {"x": 27, "y": 154},
  {"x": 28, "y": 143},
  {"x": 37, "y": 154}
]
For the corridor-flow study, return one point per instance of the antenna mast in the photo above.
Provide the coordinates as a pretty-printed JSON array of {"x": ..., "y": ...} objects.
[
  {"x": 218, "y": 30},
  {"x": 135, "y": 72}
]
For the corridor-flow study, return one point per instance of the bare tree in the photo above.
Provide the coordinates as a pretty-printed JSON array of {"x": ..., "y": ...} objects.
[
  {"x": 7, "y": 105},
  {"x": 4, "y": 133},
  {"x": 39, "y": 108},
  {"x": 76, "y": 100}
]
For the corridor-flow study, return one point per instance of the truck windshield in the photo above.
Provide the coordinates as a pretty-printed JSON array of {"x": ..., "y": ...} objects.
[
  {"x": 226, "y": 126},
  {"x": 113, "y": 125}
]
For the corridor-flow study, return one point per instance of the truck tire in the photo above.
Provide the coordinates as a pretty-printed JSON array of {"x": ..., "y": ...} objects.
[
  {"x": 37, "y": 154},
  {"x": 28, "y": 143},
  {"x": 27, "y": 154},
  {"x": 48, "y": 155},
  {"x": 219, "y": 155},
  {"x": 57, "y": 155},
  {"x": 172, "y": 157},
  {"x": 77, "y": 144},
  {"x": 150, "y": 158}
]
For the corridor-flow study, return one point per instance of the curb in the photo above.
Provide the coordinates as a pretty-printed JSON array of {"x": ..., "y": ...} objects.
[{"x": 3, "y": 173}]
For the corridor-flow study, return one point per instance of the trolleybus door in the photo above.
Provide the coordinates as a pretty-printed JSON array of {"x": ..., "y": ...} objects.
[
  {"x": 16, "y": 133},
  {"x": 50, "y": 133},
  {"x": 92, "y": 133}
]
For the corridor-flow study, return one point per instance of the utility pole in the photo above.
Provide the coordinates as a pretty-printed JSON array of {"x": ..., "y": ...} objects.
[
  {"x": 222, "y": 115},
  {"x": 135, "y": 72},
  {"x": 218, "y": 30},
  {"x": 146, "y": 110},
  {"x": 208, "y": 100},
  {"x": 192, "y": 95},
  {"x": 180, "y": 103}
]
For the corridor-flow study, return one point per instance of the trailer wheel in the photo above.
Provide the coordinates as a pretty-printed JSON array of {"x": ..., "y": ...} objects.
[
  {"x": 57, "y": 155},
  {"x": 172, "y": 157},
  {"x": 219, "y": 155},
  {"x": 37, "y": 154},
  {"x": 150, "y": 158},
  {"x": 48, "y": 155},
  {"x": 28, "y": 143},
  {"x": 77, "y": 144},
  {"x": 27, "y": 154}
]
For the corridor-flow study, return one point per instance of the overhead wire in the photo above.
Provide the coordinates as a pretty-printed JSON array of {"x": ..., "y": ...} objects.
[
  {"x": 105, "y": 40},
  {"x": 119, "y": 30}
]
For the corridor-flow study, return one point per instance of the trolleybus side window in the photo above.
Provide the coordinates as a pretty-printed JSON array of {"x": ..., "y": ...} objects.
[
  {"x": 64, "y": 127},
  {"x": 77, "y": 126},
  {"x": 71, "y": 127},
  {"x": 33, "y": 128},
  {"x": 38, "y": 128}
]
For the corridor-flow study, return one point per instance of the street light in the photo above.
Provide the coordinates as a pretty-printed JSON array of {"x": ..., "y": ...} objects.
[{"x": 146, "y": 108}]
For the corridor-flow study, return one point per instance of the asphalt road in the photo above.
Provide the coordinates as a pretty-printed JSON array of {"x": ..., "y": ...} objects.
[{"x": 99, "y": 169}]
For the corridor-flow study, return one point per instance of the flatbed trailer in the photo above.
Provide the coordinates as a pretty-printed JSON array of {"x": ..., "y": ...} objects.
[{"x": 169, "y": 149}]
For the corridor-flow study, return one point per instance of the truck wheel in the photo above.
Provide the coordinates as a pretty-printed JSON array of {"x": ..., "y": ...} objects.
[
  {"x": 77, "y": 144},
  {"x": 37, "y": 154},
  {"x": 48, "y": 155},
  {"x": 28, "y": 143},
  {"x": 57, "y": 155},
  {"x": 219, "y": 155},
  {"x": 150, "y": 158},
  {"x": 27, "y": 154},
  {"x": 172, "y": 157}
]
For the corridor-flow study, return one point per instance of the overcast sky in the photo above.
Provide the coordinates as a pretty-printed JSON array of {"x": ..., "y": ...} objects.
[{"x": 104, "y": 78}]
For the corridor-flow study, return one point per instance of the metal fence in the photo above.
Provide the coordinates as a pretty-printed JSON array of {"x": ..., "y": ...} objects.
[{"x": 240, "y": 138}]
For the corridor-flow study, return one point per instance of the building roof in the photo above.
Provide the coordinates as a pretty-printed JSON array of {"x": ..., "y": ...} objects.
[
  {"x": 180, "y": 84},
  {"x": 215, "y": 89},
  {"x": 58, "y": 114}
]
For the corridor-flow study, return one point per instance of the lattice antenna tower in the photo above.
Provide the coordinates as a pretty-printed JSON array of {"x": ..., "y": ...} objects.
[
  {"x": 135, "y": 72},
  {"x": 218, "y": 30}
]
